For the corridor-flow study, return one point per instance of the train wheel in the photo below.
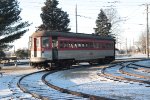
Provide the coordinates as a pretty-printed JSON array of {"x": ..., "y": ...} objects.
[
  {"x": 32, "y": 65},
  {"x": 90, "y": 63},
  {"x": 101, "y": 61},
  {"x": 48, "y": 66}
]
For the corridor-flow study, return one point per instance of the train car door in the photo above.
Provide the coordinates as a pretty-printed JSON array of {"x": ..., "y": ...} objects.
[
  {"x": 35, "y": 47},
  {"x": 54, "y": 48},
  {"x": 37, "y": 53}
]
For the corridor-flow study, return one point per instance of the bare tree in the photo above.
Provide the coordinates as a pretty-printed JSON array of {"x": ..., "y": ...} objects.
[
  {"x": 114, "y": 19},
  {"x": 142, "y": 42}
]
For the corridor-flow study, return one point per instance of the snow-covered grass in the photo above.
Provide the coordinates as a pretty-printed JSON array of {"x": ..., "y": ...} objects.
[
  {"x": 125, "y": 56},
  {"x": 145, "y": 63},
  {"x": 81, "y": 80},
  {"x": 34, "y": 83},
  {"x": 87, "y": 81},
  {"x": 8, "y": 83}
]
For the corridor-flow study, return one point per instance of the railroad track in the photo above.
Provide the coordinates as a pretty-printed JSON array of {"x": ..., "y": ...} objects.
[
  {"x": 124, "y": 71},
  {"x": 134, "y": 70},
  {"x": 48, "y": 91},
  {"x": 10, "y": 89},
  {"x": 16, "y": 93},
  {"x": 41, "y": 88},
  {"x": 140, "y": 67},
  {"x": 84, "y": 95}
]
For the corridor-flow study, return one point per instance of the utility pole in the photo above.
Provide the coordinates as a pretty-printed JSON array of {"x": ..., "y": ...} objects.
[
  {"x": 147, "y": 31},
  {"x": 126, "y": 47},
  {"x": 14, "y": 50},
  {"x": 76, "y": 19},
  {"x": 147, "y": 26},
  {"x": 76, "y": 16}
]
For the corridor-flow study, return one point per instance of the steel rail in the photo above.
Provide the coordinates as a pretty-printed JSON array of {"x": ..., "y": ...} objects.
[
  {"x": 104, "y": 74},
  {"x": 84, "y": 95}
]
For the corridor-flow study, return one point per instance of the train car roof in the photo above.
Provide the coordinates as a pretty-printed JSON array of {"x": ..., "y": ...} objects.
[{"x": 70, "y": 35}]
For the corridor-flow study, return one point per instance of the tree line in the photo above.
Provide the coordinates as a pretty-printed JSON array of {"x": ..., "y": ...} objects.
[{"x": 53, "y": 18}]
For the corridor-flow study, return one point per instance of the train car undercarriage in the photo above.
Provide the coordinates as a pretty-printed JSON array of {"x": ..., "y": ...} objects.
[{"x": 67, "y": 63}]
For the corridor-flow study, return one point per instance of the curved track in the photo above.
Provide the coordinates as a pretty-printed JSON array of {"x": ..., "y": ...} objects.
[
  {"x": 134, "y": 70},
  {"x": 40, "y": 90},
  {"x": 124, "y": 71},
  {"x": 84, "y": 95}
]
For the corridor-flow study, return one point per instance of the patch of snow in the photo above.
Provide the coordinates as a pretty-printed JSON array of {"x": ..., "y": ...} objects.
[
  {"x": 126, "y": 56},
  {"x": 8, "y": 85},
  {"x": 87, "y": 81}
]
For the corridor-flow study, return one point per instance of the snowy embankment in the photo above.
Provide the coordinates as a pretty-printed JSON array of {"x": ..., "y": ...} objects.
[
  {"x": 126, "y": 56},
  {"x": 8, "y": 83},
  {"x": 83, "y": 80},
  {"x": 87, "y": 81},
  {"x": 34, "y": 84}
]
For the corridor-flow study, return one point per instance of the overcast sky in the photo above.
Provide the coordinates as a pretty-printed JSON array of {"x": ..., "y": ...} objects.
[{"x": 133, "y": 12}]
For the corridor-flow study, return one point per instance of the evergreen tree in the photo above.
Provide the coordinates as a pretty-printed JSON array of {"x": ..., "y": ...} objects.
[
  {"x": 22, "y": 53},
  {"x": 2, "y": 54},
  {"x": 54, "y": 18},
  {"x": 11, "y": 27},
  {"x": 102, "y": 24}
]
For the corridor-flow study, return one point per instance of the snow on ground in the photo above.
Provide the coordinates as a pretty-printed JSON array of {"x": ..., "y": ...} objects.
[
  {"x": 87, "y": 81},
  {"x": 145, "y": 63},
  {"x": 81, "y": 80},
  {"x": 44, "y": 90},
  {"x": 8, "y": 83},
  {"x": 125, "y": 56}
]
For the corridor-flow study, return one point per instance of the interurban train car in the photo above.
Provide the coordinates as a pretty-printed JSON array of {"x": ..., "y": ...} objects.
[{"x": 63, "y": 49}]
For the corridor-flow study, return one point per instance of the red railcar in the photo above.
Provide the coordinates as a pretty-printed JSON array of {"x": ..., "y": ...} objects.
[{"x": 65, "y": 48}]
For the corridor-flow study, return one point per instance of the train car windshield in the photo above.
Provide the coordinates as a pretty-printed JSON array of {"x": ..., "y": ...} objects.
[{"x": 45, "y": 42}]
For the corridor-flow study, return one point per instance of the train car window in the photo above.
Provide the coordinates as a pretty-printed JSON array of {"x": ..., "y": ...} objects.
[
  {"x": 109, "y": 45},
  {"x": 106, "y": 45},
  {"x": 103, "y": 46},
  {"x": 75, "y": 45},
  {"x": 61, "y": 44},
  {"x": 30, "y": 42},
  {"x": 100, "y": 45},
  {"x": 83, "y": 45},
  {"x": 38, "y": 42},
  {"x": 88, "y": 45},
  {"x": 55, "y": 44},
  {"x": 45, "y": 42},
  {"x": 91, "y": 45},
  {"x": 79, "y": 45},
  {"x": 96, "y": 45},
  {"x": 72, "y": 45},
  {"x": 65, "y": 45}
]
